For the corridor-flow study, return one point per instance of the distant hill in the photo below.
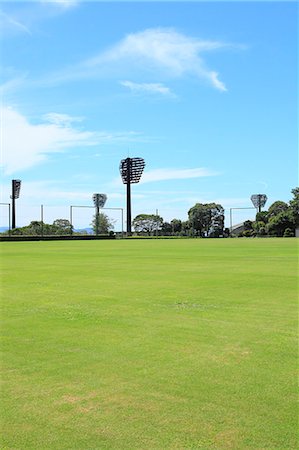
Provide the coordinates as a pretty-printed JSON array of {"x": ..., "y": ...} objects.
[{"x": 84, "y": 230}]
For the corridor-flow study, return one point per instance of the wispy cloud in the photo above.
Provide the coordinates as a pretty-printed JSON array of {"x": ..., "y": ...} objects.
[
  {"x": 176, "y": 174},
  {"x": 167, "y": 49},
  {"x": 37, "y": 140},
  {"x": 148, "y": 88},
  {"x": 162, "y": 52},
  {"x": 12, "y": 84},
  {"x": 65, "y": 4},
  {"x": 11, "y": 24},
  {"x": 54, "y": 133},
  {"x": 61, "y": 119},
  {"x": 22, "y": 20}
]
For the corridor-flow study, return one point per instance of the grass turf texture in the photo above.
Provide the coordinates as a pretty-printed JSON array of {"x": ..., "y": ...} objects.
[{"x": 183, "y": 344}]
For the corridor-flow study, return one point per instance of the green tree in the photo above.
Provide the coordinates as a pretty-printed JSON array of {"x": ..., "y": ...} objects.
[
  {"x": 62, "y": 226},
  {"x": 206, "y": 219},
  {"x": 248, "y": 225},
  {"x": 147, "y": 223},
  {"x": 35, "y": 228},
  {"x": 294, "y": 205},
  {"x": 247, "y": 233},
  {"x": 259, "y": 227},
  {"x": 276, "y": 208},
  {"x": 288, "y": 233},
  {"x": 102, "y": 224},
  {"x": 262, "y": 217},
  {"x": 279, "y": 223},
  {"x": 176, "y": 225},
  {"x": 166, "y": 229},
  {"x": 186, "y": 228}
]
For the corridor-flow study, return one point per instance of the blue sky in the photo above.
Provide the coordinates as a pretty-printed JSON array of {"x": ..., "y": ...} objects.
[{"x": 205, "y": 92}]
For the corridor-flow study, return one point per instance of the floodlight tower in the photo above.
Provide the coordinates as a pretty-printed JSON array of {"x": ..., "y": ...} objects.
[
  {"x": 15, "y": 193},
  {"x": 259, "y": 201},
  {"x": 131, "y": 170},
  {"x": 99, "y": 201}
]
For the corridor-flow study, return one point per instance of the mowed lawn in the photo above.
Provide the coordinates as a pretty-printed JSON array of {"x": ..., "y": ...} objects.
[{"x": 149, "y": 344}]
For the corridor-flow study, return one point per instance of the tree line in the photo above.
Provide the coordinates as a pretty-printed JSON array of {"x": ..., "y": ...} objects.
[
  {"x": 207, "y": 220},
  {"x": 281, "y": 219},
  {"x": 204, "y": 220},
  {"x": 60, "y": 227}
]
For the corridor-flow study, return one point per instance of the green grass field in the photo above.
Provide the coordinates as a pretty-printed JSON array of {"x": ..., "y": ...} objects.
[{"x": 149, "y": 344}]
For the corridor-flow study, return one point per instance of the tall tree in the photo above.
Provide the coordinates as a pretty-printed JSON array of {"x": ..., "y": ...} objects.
[
  {"x": 176, "y": 225},
  {"x": 186, "y": 228},
  {"x": 101, "y": 224},
  {"x": 280, "y": 222},
  {"x": 63, "y": 226},
  {"x": 294, "y": 205},
  {"x": 276, "y": 208},
  {"x": 166, "y": 229},
  {"x": 262, "y": 217},
  {"x": 207, "y": 219},
  {"x": 147, "y": 223}
]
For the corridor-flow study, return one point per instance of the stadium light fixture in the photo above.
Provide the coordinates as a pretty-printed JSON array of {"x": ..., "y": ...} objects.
[
  {"x": 259, "y": 201},
  {"x": 15, "y": 194},
  {"x": 131, "y": 170},
  {"x": 99, "y": 201}
]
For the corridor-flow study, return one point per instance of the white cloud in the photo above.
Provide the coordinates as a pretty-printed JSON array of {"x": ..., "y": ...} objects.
[
  {"x": 10, "y": 24},
  {"x": 56, "y": 192},
  {"x": 24, "y": 145},
  {"x": 23, "y": 20},
  {"x": 167, "y": 174},
  {"x": 175, "y": 174},
  {"x": 216, "y": 82},
  {"x": 65, "y": 4},
  {"x": 12, "y": 85},
  {"x": 162, "y": 52},
  {"x": 151, "y": 88},
  {"x": 167, "y": 49},
  {"x": 61, "y": 119}
]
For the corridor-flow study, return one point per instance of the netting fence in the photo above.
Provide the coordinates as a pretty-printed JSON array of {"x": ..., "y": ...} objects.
[{"x": 80, "y": 217}]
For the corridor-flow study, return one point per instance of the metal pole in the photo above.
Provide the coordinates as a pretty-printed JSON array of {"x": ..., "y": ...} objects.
[
  {"x": 9, "y": 224},
  {"x": 129, "y": 197},
  {"x": 231, "y": 220},
  {"x": 259, "y": 204},
  {"x": 42, "y": 218},
  {"x": 129, "y": 208},
  {"x": 82, "y": 206},
  {"x": 13, "y": 218},
  {"x": 97, "y": 219},
  {"x": 71, "y": 219}
]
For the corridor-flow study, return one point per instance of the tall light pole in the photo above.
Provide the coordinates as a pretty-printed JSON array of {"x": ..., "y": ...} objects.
[
  {"x": 259, "y": 201},
  {"x": 99, "y": 201},
  {"x": 131, "y": 170},
  {"x": 15, "y": 193}
]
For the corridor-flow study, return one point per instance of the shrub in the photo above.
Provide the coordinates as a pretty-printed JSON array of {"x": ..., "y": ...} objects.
[{"x": 288, "y": 232}]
